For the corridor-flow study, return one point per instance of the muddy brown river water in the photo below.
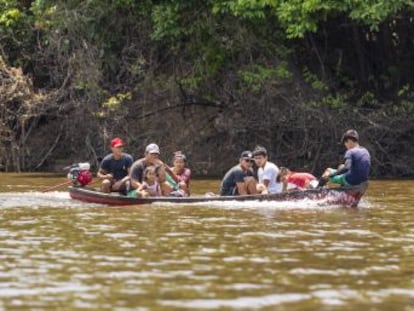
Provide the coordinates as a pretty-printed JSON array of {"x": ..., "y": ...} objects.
[{"x": 59, "y": 254}]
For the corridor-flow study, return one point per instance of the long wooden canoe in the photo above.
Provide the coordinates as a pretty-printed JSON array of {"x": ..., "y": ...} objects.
[{"x": 342, "y": 196}]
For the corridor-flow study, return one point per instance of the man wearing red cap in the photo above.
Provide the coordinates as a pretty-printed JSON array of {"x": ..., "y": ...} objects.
[{"x": 115, "y": 167}]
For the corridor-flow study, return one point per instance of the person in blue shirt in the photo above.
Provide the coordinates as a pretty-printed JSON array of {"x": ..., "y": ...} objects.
[
  {"x": 356, "y": 166},
  {"x": 114, "y": 168}
]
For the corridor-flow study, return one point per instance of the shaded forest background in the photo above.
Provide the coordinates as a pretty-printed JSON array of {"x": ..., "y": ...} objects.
[{"x": 210, "y": 78}]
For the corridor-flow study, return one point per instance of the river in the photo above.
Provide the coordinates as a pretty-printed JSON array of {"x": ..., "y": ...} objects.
[{"x": 59, "y": 254}]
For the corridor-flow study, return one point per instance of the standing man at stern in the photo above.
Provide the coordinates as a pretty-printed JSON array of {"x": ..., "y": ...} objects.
[{"x": 114, "y": 168}]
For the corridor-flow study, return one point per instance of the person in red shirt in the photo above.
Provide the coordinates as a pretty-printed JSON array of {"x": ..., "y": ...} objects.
[{"x": 292, "y": 181}]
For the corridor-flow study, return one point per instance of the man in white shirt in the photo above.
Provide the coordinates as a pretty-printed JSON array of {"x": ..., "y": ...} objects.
[{"x": 267, "y": 172}]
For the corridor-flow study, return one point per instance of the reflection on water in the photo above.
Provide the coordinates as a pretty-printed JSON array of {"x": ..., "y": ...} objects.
[{"x": 59, "y": 254}]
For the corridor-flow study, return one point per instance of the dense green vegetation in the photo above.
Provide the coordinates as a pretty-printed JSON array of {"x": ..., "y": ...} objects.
[{"x": 210, "y": 78}]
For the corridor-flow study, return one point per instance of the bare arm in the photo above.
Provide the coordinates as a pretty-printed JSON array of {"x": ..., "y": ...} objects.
[
  {"x": 343, "y": 169},
  {"x": 135, "y": 184},
  {"x": 171, "y": 173},
  {"x": 103, "y": 175},
  {"x": 284, "y": 186}
]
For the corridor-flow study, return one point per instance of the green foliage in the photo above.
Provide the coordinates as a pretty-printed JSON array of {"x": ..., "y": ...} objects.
[
  {"x": 166, "y": 17},
  {"x": 404, "y": 108},
  {"x": 190, "y": 82},
  {"x": 43, "y": 12},
  {"x": 404, "y": 90},
  {"x": 186, "y": 30},
  {"x": 367, "y": 99},
  {"x": 113, "y": 104},
  {"x": 342, "y": 102},
  {"x": 15, "y": 32},
  {"x": 93, "y": 56},
  {"x": 243, "y": 8},
  {"x": 313, "y": 80},
  {"x": 10, "y": 17},
  {"x": 256, "y": 78},
  {"x": 334, "y": 101},
  {"x": 373, "y": 12},
  {"x": 302, "y": 16},
  {"x": 197, "y": 40}
]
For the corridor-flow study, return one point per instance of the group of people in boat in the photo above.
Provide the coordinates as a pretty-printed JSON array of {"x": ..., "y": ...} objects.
[
  {"x": 253, "y": 174},
  {"x": 148, "y": 176}
]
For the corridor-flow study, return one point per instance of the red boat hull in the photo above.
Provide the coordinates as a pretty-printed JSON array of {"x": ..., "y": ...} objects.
[{"x": 342, "y": 196}]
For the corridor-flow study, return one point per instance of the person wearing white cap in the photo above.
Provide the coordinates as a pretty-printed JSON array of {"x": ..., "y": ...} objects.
[{"x": 152, "y": 153}]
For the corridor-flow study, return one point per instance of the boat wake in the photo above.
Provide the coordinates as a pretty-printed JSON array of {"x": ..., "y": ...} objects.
[
  {"x": 61, "y": 199},
  {"x": 40, "y": 199},
  {"x": 320, "y": 204}
]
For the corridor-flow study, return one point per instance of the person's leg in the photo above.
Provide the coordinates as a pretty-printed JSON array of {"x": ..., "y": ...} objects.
[
  {"x": 178, "y": 193},
  {"x": 324, "y": 179},
  {"x": 184, "y": 188},
  {"x": 106, "y": 186},
  {"x": 313, "y": 184},
  {"x": 251, "y": 184},
  {"x": 339, "y": 179},
  {"x": 143, "y": 194},
  {"x": 118, "y": 186},
  {"x": 121, "y": 185}
]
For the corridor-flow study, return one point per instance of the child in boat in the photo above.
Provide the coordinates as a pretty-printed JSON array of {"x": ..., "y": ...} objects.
[
  {"x": 150, "y": 186},
  {"x": 181, "y": 174},
  {"x": 178, "y": 176},
  {"x": 166, "y": 187},
  {"x": 292, "y": 181}
]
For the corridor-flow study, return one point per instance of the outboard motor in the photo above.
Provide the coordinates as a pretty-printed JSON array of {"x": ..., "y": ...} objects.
[{"x": 79, "y": 174}]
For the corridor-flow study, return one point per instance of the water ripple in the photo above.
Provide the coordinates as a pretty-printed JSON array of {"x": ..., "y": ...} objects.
[
  {"x": 206, "y": 257},
  {"x": 242, "y": 302}
]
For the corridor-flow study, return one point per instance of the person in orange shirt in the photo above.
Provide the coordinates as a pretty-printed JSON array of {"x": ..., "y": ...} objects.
[{"x": 292, "y": 181}]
